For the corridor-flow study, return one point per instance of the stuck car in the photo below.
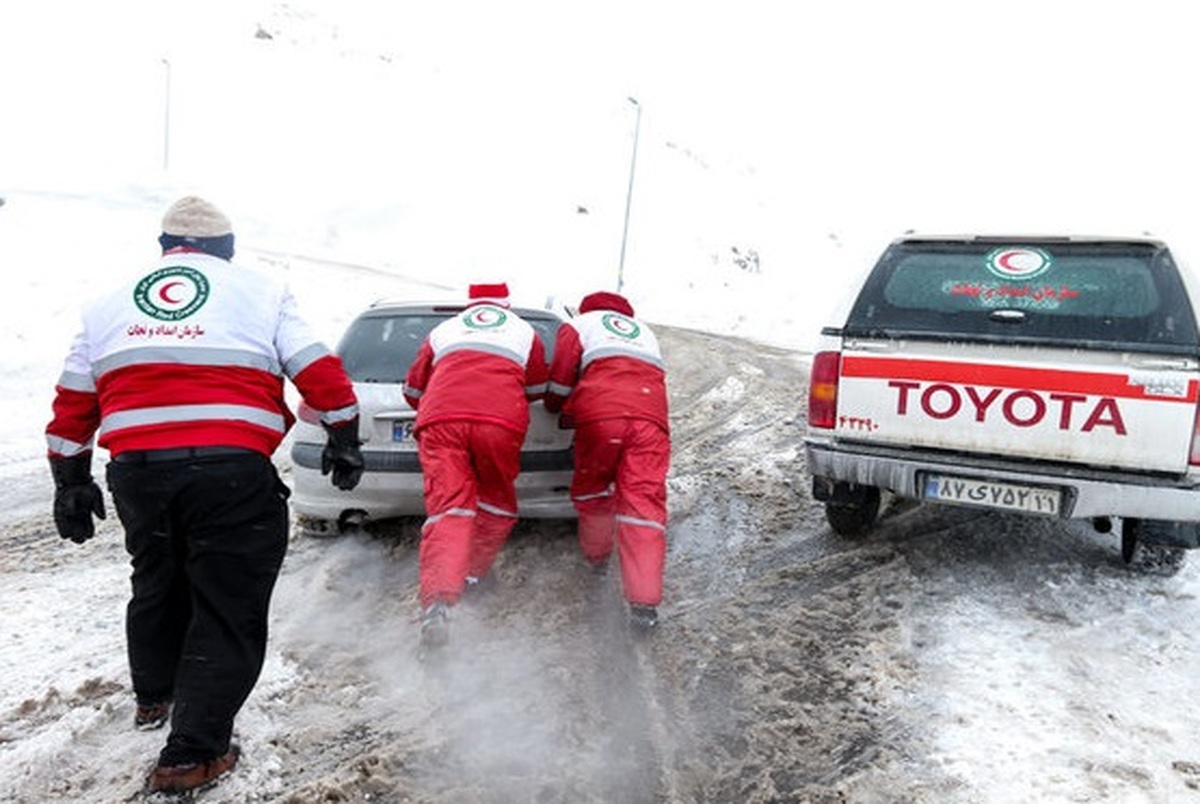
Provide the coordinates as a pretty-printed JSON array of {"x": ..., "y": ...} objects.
[
  {"x": 1049, "y": 376},
  {"x": 377, "y": 349}
]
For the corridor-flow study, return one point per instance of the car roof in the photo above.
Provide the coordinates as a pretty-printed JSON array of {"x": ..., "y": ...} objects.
[{"x": 448, "y": 307}]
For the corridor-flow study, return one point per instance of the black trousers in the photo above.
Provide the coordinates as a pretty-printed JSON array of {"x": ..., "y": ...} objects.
[{"x": 206, "y": 538}]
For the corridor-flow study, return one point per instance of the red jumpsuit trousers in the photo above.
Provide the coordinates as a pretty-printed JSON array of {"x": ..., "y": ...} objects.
[
  {"x": 470, "y": 470},
  {"x": 620, "y": 491}
]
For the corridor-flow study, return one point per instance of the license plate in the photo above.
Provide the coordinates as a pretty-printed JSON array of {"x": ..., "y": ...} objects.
[
  {"x": 402, "y": 432},
  {"x": 993, "y": 494}
]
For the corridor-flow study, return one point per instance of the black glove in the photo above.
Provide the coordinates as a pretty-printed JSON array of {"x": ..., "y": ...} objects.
[
  {"x": 76, "y": 497},
  {"x": 342, "y": 455}
]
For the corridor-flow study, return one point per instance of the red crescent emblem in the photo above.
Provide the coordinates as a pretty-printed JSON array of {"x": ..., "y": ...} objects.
[
  {"x": 162, "y": 293},
  {"x": 1003, "y": 261}
]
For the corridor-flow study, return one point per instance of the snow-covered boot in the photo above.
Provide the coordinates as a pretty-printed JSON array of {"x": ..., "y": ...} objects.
[{"x": 435, "y": 626}]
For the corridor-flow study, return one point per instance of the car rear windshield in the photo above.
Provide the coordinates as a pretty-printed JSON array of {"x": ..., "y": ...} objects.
[
  {"x": 380, "y": 346},
  {"x": 1118, "y": 295}
]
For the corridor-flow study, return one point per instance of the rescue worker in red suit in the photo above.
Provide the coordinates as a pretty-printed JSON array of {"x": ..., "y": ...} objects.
[
  {"x": 179, "y": 375},
  {"x": 471, "y": 384},
  {"x": 607, "y": 376}
]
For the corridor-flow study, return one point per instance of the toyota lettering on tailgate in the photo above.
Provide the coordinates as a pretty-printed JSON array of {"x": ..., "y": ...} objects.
[{"x": 1021, "y": 407}]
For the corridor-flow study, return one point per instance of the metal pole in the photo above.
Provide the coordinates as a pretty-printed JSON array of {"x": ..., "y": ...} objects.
[
  {"x": 167, "y": 116},
  {"x": 637, "y": 126}
]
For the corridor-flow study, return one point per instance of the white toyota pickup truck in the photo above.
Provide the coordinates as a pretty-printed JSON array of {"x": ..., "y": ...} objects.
[{"x": 1053, "y": 376}]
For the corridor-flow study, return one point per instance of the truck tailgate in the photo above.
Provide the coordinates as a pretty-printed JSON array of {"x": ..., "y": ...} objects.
[{"x": 1102, "y": 408}]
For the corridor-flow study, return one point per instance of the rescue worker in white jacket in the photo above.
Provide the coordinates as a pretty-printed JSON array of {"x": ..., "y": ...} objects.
[
  {"x": 608, "y": 378},
  {"x": 179, "y": 372}
]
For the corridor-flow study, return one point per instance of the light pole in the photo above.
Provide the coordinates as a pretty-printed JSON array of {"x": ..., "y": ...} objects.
[
  {"x": 167, "y": 115},
  {"x": 637, "y": 126}
]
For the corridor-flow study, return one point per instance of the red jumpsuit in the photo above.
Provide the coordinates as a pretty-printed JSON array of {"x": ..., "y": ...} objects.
[
  {"x": 608, "y": 376},
  {"x": 471, "y": 383}
]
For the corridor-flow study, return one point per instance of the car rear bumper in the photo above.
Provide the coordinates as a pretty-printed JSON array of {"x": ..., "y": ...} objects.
[
  {"x": 1089, "y": 492},
  {"x": 308, "y": 456},
  {"x": 392, "y": 486}
]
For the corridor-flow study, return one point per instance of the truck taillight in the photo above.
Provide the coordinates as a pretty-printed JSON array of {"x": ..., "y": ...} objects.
[
  {"x": 1194, "y": 456},
  {"x": 822, "y": 390}
]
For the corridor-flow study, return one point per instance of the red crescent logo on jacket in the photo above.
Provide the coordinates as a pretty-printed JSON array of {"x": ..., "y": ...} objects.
[
  {"x": 172, "y": 293},
  {"x": 484, "y": 317},
  {"x": 621, "y": 326}
]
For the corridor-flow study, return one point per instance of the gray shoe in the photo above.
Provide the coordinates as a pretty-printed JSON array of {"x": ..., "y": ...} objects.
[
  {"x": 435, "y": 626},
  {"x": 643, "y": 618}
]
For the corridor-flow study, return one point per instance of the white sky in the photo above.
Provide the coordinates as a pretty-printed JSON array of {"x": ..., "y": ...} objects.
[{"x": 786, "y": 127}]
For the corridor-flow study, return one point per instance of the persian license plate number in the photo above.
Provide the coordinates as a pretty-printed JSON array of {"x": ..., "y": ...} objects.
[
  {"x": 992, "y": 494},
  {"x": 402, "y": 432}
]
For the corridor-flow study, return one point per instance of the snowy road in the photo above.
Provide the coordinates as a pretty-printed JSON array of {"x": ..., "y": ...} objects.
[{"x": 951, "y": 656}]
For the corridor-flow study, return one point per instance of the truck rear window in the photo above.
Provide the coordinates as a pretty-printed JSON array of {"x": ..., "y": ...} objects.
[{"x": 1119, "y": 295}]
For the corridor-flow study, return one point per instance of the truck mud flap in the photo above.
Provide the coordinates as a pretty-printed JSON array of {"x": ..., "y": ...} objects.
[{"x": 1168, "y": 534}]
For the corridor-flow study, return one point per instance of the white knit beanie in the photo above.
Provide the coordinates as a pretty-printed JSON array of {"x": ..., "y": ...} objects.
[{"x": 192, "y": 216}]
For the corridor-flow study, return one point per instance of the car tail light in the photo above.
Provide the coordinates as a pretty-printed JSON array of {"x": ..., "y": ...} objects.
[
  {"x": 822, "y": 389},
  {"x": 1194, "y": 457}
]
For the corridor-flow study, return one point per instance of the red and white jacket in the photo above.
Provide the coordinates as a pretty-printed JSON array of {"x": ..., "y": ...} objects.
[
  {"x": 608, "y": 365},
  {"x": 193, "y": 354},
  {"x": 486, "y": 364}
]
